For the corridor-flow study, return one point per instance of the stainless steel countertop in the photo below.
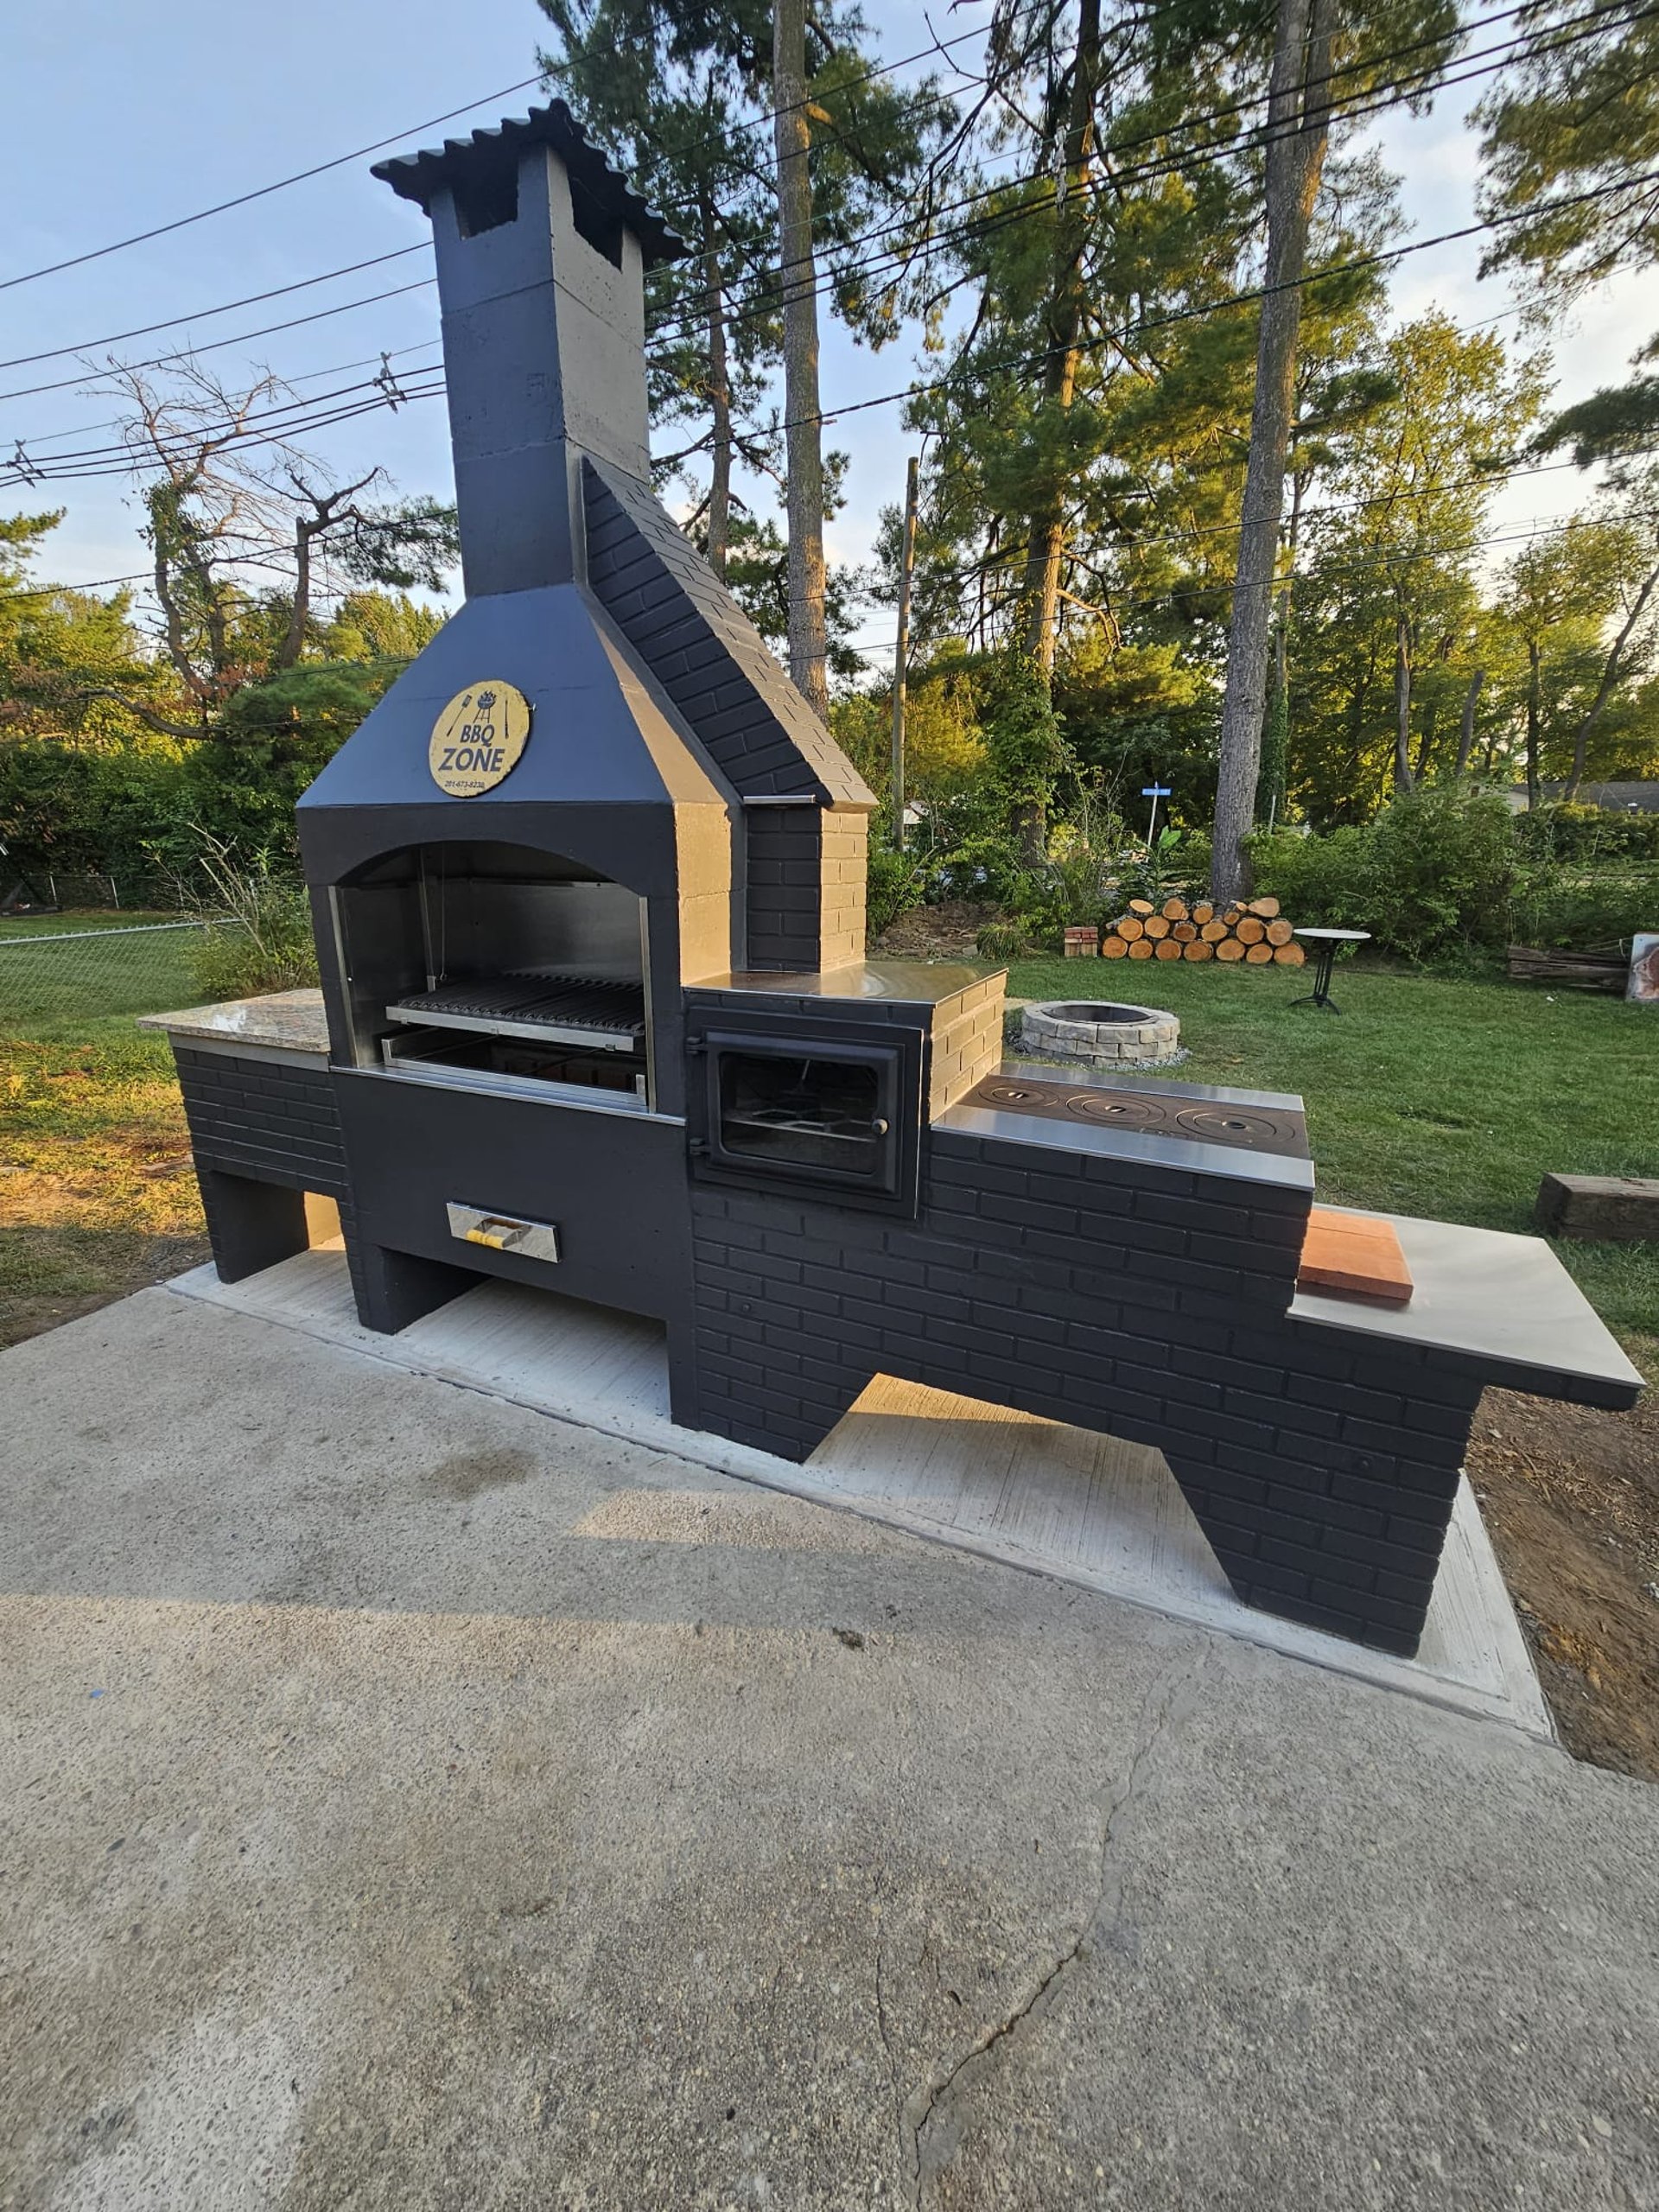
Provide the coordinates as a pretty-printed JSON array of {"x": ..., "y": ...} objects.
[
  {"x": 290, "y": 1021},
  {"x": 1505, "y": 1300},
  {"x": 909, "y": 982},
  {"x": 1191, "y": 1155}
]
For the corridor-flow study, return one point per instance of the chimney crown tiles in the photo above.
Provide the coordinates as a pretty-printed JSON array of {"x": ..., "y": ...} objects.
[{"x": 487, "y": 162}]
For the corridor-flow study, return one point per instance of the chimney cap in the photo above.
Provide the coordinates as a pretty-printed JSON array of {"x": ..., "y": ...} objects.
[{"x": 420, "y": 176}]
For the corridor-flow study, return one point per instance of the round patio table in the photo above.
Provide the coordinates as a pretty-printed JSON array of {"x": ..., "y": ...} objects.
[{"x": 1324, "y": 942}]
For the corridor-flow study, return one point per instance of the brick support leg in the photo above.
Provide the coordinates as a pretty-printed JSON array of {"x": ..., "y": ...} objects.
[{"x": 250, "y": 1225}]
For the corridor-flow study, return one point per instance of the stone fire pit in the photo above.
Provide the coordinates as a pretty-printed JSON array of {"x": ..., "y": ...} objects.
[{"x": 1102, "y": 1031}]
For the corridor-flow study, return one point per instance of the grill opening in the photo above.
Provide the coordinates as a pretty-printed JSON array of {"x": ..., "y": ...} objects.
[{"x": 496, "y": 964}]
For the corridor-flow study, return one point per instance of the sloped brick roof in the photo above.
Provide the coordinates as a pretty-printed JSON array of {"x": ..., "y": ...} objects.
[{"x": 704, "y": 651}]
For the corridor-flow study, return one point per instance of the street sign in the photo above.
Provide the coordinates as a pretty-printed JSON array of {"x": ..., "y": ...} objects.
[{"x": 1154, "y": 790}]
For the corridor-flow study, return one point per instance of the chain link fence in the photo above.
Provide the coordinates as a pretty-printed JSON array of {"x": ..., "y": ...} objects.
[
  {"x": 39, "y": 891},
  {"x": 57, "y": 968}
]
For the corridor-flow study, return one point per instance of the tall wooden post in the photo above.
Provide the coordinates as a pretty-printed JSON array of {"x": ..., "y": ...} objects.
[{"x": 901, "y": 655}]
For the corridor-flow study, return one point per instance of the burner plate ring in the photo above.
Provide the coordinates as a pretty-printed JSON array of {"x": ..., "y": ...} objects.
[
  {"x": 1228, "y": 1124},
  {"x": 1117, "y": 1110}
]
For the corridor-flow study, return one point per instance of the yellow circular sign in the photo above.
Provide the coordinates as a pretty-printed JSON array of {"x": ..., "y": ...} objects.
[{"x": 478, "y": 738}]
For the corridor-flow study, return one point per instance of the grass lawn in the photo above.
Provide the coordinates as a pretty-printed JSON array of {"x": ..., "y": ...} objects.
[
  {"x": 88, "y": 1103},
  {"x": 1425, "y": 1094}
]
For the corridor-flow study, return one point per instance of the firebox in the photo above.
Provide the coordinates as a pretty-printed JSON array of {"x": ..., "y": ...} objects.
[
  {"x": 595, "y": 1017},
  {"x": 814, "y": 1107}
]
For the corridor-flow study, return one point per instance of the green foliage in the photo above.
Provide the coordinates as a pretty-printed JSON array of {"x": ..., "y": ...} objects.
[
  {"x": 261, "y": 939},
  {"x": 143, "y": 806},
  {"x": 1025, "y": 745},
  {"x": 1429, "y": 877},
  {"x": 1276, "y": 740},
  {"x": 1317, "y": 880},
  {"x": 1565, "y": 132},
  {"x": 895, "y": 882},
  {"x": 70, "y": 810},
  {"x": 1580, "y": 909},
  {"x": 1438, "y": 863},
  {"x": 1567, "y": 831},
  {"x": 1002, "y": 941}
]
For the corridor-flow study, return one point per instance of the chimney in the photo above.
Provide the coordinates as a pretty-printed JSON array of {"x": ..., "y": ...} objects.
[{"x": 541, "y": 249}]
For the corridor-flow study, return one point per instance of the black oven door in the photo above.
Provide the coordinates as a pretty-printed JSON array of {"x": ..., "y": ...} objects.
[{"x": 810, "y": 1109}]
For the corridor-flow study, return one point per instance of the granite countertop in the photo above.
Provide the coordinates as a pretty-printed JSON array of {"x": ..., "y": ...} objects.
[{"x": 294, "y": 1021}]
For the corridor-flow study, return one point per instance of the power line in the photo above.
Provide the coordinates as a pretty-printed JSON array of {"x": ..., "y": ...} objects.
[
  {"x": 829, "y": 284},
  {"x": 307, "y": 376},
  {"x": 217, "y": 345},
  {"x": 190, "y": 436},
  {"x": 1175, "y": 164},
  {"x": 262, "y": 192},
  {"x": 253, "y": 299},
  {"x": 1141, "y": 325}
]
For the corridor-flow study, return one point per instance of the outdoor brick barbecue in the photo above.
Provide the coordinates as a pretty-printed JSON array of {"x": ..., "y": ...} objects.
[{"x": 588, "y": 886}]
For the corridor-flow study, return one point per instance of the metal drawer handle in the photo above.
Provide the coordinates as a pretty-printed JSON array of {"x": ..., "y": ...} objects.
[
  {"x": 500, "y": 1235},
  {"x": 499, "y": 1232}
]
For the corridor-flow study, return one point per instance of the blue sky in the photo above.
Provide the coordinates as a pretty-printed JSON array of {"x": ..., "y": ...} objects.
[{"x": 113, "y": 119}]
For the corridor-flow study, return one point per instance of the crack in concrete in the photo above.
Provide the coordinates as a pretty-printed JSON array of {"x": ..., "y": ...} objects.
[
  {"x": 928, "y": 2105},
  {"x": 886, "y": 2045}
]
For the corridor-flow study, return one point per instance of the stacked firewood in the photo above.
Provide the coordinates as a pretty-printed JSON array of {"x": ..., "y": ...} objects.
[{"x": 1254, "y": 931}]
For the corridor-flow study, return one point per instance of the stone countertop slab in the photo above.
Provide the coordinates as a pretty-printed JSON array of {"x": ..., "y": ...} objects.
[
  {"x": 293, "y": 1021},
  {"x": 1504, "y": 1301}
]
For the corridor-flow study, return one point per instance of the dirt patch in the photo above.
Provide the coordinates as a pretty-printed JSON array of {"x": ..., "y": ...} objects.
[
  {"x": 942, "y": 932},
  {"x": 1571, "y": 1497}
]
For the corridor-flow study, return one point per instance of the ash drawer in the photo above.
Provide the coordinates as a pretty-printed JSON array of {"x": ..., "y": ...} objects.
[{"x": 501, "y": 1232}]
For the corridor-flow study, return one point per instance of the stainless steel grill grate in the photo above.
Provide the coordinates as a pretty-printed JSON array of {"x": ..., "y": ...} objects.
[{"x": 573, "y": 1009}]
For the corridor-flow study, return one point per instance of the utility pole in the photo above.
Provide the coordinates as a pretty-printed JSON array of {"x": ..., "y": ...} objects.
[{"x": 901, "y": 657}]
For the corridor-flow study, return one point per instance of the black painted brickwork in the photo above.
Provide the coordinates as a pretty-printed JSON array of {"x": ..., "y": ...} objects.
[
  {"x": 264, "y": 1119},
  {"x": 1150, "y": 1303},
  {"x": 696, "y": 643},
  {"x": 785, "y": 903}
]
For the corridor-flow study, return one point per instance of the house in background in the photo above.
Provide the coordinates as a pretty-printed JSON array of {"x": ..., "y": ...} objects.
[{"x": 1641, "y": 798}]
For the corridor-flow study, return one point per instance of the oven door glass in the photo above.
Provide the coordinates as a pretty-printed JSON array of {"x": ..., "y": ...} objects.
[{"x": 827, "y": 1113}]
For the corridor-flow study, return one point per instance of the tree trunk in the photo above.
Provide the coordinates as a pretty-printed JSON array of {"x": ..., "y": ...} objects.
[
  {"x": 294, "y": 640},
  {"x": 1299, "y": 122},
  {"x": 1466, "y": 727},
  {"x": 1610, "y": 675},
  {"x": 1535, "y": 717},
  {"x": 809, "y": 660},
  {"x": 1063, "y": 327},
  {"x": 720, "y": 392},
  {"x": 1402, "y": 775}
]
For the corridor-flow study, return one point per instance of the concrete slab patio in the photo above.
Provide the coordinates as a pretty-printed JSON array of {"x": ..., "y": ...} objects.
[{"x": 412, "y": 1801}]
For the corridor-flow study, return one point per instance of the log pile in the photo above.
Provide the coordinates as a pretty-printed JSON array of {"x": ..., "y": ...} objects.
[{"x": 1254, "y": 932}]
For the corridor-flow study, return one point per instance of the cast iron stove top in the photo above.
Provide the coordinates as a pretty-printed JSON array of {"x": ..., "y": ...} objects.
[{"x": 1147, "y": 1113}]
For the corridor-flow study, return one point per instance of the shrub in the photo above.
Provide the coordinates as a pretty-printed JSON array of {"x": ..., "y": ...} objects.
[
  {"x": 895, "y": 883},
  {"x": 1574, "y": 910},
  {"x": 1002, "y": 941},
  {"x": 1430, "y": 876},
  {"x": 261, "y": 936},
  {"x": 1315, "y": 879},
  {"x": 1571, "y": 832},
  {"x": 1438, "y": 863}
]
